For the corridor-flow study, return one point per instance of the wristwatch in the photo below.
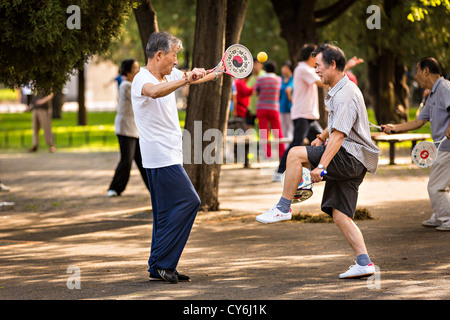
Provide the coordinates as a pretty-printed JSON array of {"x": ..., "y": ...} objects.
[{"x": 321, "y": 166}]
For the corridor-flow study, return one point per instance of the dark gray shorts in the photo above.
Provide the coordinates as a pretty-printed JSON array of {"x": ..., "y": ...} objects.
[{"x": 344, "y": 175}]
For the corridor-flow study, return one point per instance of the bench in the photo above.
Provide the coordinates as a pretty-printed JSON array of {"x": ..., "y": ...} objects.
[
  {"x": 392, "y": 139},
  {"x": 239, "y": 140}
]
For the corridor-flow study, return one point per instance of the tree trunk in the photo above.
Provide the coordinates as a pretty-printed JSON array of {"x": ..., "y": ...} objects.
[
  {"x": 299, "y": 22},
  {"x": 236, "y": 11},
  {"x": 388, "y": 89},
  {"x": 299, "y": 16},
  {"x": 82, "y": 114},
  {"x": 204, "y": 101},
  {"x": 401, "y": 90},
  {"x": 298, "y": 25},
  {"x": 57, "y": 104},
  {"x": 146, "y": 21},
  {"x": 387, "y": 76}
]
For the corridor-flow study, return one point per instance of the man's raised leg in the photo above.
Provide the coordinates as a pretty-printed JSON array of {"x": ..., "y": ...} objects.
[
  {"x": 294, "y": 170},
  {"x": 297, "y": 157}
]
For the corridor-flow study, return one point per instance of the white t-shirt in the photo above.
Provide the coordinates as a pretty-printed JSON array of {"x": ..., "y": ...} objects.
[
  {"x": 160, "y": 135},
  {"x": 305, "y": 99}
]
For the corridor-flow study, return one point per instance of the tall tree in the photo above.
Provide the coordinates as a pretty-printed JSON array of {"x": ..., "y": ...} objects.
[
  {"x": 146, "y": 21},
  {"x": 203, "y": 106},
  {"x": 299, "y": 21},
  {"x": 388, "y": 88},
  {"x": 218, "y": 24},
  {"x": 236, "y": 12},
  {"x": 81, "y": 99}
]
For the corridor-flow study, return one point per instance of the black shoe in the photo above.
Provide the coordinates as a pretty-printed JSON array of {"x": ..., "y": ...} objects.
[
  {"x": 168, "y": 275},
  {"x": 183, "y": 278},
  {"x": 152, "y": 277}
]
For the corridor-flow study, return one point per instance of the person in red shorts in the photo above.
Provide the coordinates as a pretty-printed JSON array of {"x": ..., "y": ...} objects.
[{"x": 268, "y": 106}]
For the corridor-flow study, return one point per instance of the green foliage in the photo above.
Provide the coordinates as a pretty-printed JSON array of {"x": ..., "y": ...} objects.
[
  {"x": 126, "y": 45},
  {"x": 16, "y": 132},
  {"x": 178, "y": 17},
  {"x": 37, "y": 47},
  {"x": 8, "y": 94},
  {"x": 261, "y": 31},
  {"x": 418, "y": 12},
  {"x": 407, "y": 40}
]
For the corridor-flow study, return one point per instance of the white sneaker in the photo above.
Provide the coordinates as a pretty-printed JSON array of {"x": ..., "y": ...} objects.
[
  {"x": 357, "y": 271},
  {"x": 3, "y": 188},
  {"x": 445, "y": 226},
  {"x": 112, "y": 193},
  {"x": 432, "y": 222},
  {"x": 274, "y": 215}
]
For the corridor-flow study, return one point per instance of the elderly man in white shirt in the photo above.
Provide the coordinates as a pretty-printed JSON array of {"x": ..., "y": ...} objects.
[{"x": 174, "y": 200}]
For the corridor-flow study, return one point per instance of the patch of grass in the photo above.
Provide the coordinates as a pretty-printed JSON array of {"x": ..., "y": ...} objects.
[
  {"x": 412, "y": 115},
  {"x": 360, "y": 214},
  {"x": 363, "y": 214},
  {"x": 312, "y": 218},
  {"x": 8, "y": 95},
  {"x": 98, "y": 135}
]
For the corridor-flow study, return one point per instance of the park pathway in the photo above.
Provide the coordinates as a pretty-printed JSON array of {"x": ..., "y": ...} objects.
[{"x": 63, "y": 223}]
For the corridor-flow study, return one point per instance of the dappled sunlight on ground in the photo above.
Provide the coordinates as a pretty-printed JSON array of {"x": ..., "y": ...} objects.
[{"x": 62, "y": 218}]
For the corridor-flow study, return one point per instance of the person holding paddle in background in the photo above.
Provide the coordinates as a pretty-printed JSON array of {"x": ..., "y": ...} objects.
[{"x": 437, "y": 111}]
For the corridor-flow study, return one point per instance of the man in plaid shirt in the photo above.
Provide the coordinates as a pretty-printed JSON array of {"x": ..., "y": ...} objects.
[{"x": 344, "y": 149}]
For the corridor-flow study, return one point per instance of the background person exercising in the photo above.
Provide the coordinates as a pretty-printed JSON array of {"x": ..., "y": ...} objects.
[{"x": 437, "y": 111}]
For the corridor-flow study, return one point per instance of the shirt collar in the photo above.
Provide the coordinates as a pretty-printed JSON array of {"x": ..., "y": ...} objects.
[
  {"x": 436, "y": 84},
  {"x": 338, "y": 86}
]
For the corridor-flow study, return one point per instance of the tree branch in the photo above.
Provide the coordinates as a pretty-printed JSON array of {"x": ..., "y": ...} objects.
[
  {"x": 146, "y": 21},
  {"x": 327, "y": 15}
]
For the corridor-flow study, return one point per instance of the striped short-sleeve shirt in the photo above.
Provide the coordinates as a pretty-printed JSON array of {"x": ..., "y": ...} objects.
[
  {"x": 347, "y": 113},
  {"x": 268, "y": 88}
]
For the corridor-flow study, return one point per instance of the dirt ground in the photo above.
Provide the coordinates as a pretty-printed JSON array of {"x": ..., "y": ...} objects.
[{"x": 64, "y": 231}]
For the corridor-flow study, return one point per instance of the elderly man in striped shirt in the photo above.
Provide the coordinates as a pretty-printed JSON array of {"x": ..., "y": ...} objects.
[{"x": 344, "y": 149}]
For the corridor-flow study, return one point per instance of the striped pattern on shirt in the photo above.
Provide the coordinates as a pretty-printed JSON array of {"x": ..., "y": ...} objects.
[
  {"x": 268, "y": 88},
  {"x": 347, "y": 113}
]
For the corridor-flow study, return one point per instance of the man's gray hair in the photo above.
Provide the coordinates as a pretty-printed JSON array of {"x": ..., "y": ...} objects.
[{"x": 161, "y": 41}]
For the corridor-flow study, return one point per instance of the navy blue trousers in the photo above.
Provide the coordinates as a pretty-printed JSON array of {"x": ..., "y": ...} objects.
[{"x": 175, "y": 204}]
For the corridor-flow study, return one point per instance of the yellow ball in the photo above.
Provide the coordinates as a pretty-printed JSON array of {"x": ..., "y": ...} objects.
[{"x": 262, "y": 57}]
